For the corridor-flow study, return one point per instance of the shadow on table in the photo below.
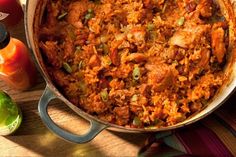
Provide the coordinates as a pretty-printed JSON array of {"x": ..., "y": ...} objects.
[
  {"x": 133, "y": 138},
  {"x": 34, "y": 136}
]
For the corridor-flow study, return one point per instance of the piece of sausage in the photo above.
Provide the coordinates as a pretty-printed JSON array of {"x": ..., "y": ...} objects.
[
  {"x": 114, "y": 55},
  {"x": 122, "y": 115},
  {"x": 191, "y": 6},
  {"x": 205, "y": 8}
]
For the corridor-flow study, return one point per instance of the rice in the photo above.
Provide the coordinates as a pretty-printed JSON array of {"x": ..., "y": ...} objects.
[{"x": 135, "y": 63}]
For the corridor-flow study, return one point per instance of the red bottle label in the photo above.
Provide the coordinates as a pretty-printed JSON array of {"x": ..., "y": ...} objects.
[{"x": 3, "y": 15}]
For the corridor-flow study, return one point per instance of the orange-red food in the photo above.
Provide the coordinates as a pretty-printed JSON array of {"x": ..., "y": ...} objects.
[{"x": 136, "y": 63}]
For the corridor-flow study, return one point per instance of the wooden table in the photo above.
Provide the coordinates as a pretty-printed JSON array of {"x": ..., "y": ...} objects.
[{"x": 34, "y": 139}]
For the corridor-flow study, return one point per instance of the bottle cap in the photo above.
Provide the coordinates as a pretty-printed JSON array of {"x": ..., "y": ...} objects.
[{"x": 4, "y": 36}]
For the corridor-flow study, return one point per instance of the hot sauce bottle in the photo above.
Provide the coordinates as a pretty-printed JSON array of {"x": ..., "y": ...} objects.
[{"x": 16, "y": 66}]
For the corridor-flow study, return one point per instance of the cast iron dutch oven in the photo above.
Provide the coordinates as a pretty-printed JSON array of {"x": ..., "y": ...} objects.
[{"x": 33, "y": 14}]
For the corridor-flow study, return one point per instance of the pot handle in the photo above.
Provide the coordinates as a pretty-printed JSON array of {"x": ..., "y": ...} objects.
[{"x": 95, "y": 127}]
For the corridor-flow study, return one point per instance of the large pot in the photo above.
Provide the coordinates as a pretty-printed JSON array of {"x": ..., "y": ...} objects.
[{"x": 96, "y": 125}]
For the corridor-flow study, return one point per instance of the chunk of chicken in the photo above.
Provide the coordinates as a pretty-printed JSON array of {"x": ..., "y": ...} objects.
[
  {"x": 60, "y": 77},
  {"x": 53, "y": 11},
  {"x": 159, "y": 76},
  {"x": 68, "y": 48},
  {"x": 145, "y": 89},
  {"x": 137, "y": 57},
  {"x": 52, "y": 51},
  {"x": 205, "y": 57},
  {"x": 137, "y": 36},
  {"x": 94, "y": 25},
  {"x": 77, "y": 10},
  {"x": 218, "y": 44},
  {"x": 185, "y": 38},
  {"x": 182, "y": 39}
]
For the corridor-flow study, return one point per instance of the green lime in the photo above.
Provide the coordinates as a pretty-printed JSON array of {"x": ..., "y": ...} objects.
[
  {"x": 3, "y": 116},
  {"x": 10, "y": 115}
]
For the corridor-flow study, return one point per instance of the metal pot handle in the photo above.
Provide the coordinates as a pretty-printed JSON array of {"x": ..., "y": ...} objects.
[{"x": 95, "y": 127}]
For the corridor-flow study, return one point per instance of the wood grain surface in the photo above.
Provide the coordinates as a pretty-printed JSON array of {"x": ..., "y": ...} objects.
[{"x": 34, "y": 139}]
